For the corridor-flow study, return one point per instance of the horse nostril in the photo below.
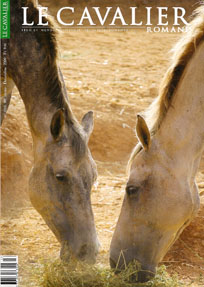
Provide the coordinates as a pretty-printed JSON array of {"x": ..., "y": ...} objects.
[
  {"x": 144, "y": 276},
  {"x": 65, "y": 252},
  {"x": 87, "y": 253},
  {"x": 83, "y": 251},
  {"x": 112, "y": 263}
]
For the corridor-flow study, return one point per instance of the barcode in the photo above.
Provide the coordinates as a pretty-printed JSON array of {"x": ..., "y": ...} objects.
[{"x": 9, "y": 271}]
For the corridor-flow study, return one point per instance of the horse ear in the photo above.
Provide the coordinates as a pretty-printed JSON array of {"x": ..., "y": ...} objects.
[
  {"x": 87, "y": 123},
  {"x": 57, "y": 124},
  {"x": 143, "y": 133}
]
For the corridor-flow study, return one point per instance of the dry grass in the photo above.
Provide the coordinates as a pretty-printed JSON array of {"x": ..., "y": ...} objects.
[{"x": 58, "y": 274}]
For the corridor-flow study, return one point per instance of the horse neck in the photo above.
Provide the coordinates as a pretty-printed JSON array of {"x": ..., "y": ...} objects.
[
  {"x": 181, "y": 134},
  {"x": 32, "y": 84}
]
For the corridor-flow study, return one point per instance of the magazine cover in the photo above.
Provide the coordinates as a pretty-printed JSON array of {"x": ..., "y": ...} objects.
[{"x": 102, "y": 135}]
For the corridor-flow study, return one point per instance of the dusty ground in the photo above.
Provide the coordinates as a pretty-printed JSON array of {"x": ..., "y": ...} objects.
[{"x": 116, "y": 74}]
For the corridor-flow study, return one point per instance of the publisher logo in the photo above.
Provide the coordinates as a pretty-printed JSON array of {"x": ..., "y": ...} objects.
[{"x": 5, "y": 19}]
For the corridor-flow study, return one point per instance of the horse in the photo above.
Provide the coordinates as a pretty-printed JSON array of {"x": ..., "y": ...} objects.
[
  {"x": 63, "y": 171},
  {"x": 161, "y": 196}
]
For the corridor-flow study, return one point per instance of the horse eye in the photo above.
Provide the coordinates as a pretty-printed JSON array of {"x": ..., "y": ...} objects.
[
  {"x": 60, "y": 177},
  {"x": 132, "y": 189}
]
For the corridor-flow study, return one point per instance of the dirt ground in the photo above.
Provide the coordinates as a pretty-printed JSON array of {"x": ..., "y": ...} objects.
[{"x": 116, "y": 74}]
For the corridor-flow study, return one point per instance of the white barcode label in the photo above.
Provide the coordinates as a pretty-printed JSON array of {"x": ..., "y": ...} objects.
[{"x": 9, "y": 270}]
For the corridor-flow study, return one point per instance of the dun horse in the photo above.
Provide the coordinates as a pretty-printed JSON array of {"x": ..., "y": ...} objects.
[
  {"x": 64, "y": 170},
  {"x": 161, "y": 194}
]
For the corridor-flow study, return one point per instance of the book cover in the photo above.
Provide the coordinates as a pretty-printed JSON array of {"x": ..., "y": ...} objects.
[{"x": 94, "y": 177}]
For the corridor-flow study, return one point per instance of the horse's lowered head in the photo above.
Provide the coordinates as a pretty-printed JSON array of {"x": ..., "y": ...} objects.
[
  {"x": 60, "y": 185},
  {"x": 63, "y": 170},
  {"x": 160, "y": 200}
]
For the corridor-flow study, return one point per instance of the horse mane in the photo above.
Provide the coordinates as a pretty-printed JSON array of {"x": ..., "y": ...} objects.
[
  {"x": 182, "y": 53},
  {"x": 55, "y": 86},
  {"x": 47, "y": 42}
]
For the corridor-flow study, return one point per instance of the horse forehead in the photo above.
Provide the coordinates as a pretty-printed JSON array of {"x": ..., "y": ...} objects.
[
  {"x": 141, "y": 166},
  {"x": 152, "y": 161},
  {"x": 61, "y": 151},
  {"x": 60, "y": 155},
  {"x": 64, "y": 156},
  {"x": 152, "y": 170}
]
